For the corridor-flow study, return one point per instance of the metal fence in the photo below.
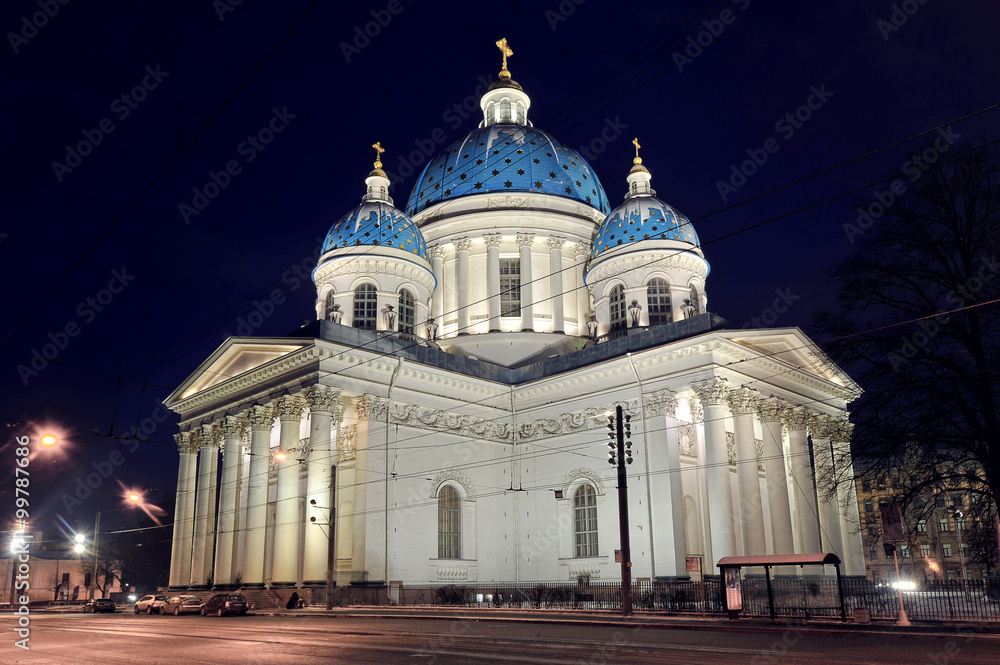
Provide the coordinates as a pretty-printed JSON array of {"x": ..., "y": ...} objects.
[{"x": 792, "y": 597}]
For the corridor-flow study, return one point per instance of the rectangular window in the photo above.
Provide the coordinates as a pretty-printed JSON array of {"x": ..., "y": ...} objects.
[
  {"x": 869, "y": 507},
  {"x": 510, "y": 287},
  {"x": 65, "y": 578},
  {"x": 943, "y": 524},
  {"x": 946, "y": 548},
  {"x": 960, "y": 525},
  {"x": 922, "y": 526},
  {"x": 957, "y": 500},
  {"x": 873, "y": 529},
  {"x": 939, "y": 501},
  {"x": 86, "y": 580},
  {"x": 873, "y": 552},
  {"x": 904, "y": 550},
  {"x": 925, "y": 551},
  {"x": 866, "y": 485}
]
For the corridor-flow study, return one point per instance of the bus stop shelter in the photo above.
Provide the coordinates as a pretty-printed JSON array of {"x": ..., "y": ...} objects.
[{"x": 732, "y": 598}]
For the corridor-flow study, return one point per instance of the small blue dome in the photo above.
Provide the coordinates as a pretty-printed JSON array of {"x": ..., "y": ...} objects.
[
  {"x": 506, "y": 157},
  {"x": 642, "y": 218},
  {"x": 377, "y": 223}
]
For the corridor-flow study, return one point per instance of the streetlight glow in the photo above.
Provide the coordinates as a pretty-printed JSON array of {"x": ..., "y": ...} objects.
[
  {"x": 48, "y": 440},
  {"x": 280, "y": 455}
]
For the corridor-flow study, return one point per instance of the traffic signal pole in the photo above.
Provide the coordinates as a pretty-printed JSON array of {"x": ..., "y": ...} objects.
[{"x": 620, "y": 429}]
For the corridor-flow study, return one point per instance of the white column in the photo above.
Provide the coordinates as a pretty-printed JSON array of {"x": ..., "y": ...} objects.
[
  {"x": 555, "y": 244},
  {"x": 463, "y": 245},
  {"x": 181, "y": 545},
  {"x": 232, "y": 458},
  {"x": 829, "y": 506},
  {"x": 261, "y": 420},
  {"x": 669, "y": 536},
  {"x": 713, "y": 393},
  {"x": 772, "y": 410},
  {"x": 850, "y": 525},
  {"x": 370, "y": 526},
  {"x": 742, "y": 403},
  {"x": 287, "y": 523},
  {"x": 437, "y": 298},
  {"x": 493, "y": 241},
  {"x": 524, "y": 241},
  {"x": 803, "y": 488},
  {"x": 582, "y": 297},
  {"x": 204, "y": 526},
  {"x": 319, "y": 483}
]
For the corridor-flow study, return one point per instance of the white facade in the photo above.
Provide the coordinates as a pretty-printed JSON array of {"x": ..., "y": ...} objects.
[{"x": 464, "y": 421}]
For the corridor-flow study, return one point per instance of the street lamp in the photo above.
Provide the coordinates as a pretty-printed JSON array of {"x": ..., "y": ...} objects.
[
  {"x": 48, "y": 440},
  {"x": 958, "y": 515}
]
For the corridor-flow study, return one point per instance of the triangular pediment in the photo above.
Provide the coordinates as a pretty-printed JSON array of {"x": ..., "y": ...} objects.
[
  {"x": 792, "y": 346},
  {"x": 234, "y": 358}
]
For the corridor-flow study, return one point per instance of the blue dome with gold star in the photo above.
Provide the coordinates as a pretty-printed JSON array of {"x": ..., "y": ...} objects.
[
  {"x": 643, "y": 218},
  {"x": 507, "y": 157},
  {"x": 377, "y": 223}
]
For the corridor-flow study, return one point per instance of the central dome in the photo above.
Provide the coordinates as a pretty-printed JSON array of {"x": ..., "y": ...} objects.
[{"x": 505, "y": 158}]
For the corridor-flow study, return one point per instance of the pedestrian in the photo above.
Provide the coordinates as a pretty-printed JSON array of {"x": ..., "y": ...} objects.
[{"x": 293, "y": 602}]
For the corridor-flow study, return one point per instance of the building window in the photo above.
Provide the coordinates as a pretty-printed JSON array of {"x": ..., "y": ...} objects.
[
  {"x": 658, "y": 302},
  {"x": 922, "y": 526},
  {"x": 946, "y": 549},
  {"x": 943, "y": 524},
  {"x": 880, "y": 483},
  {"x": 585, "y": 520},
  {"x": 365, "y": 302},
  {"x": 957, "y": 501},
  {"x": 960, "y": 525},
  {"x": 965, "y": 550},
  {"x": 939, "y": 501},
  {"x": 925, "y": 551},
  {"x": 86, "y": 580},
  {"x": 866, "y": 485},
  {"x": 510, "y": 287},
  {"x": 869, "y": 507},
  {"x": 617, "y": 304},
  {"x": 904, "y": 550},
  {"x": 695, "y": 299},
  {"x": 449, "y": 524},
  {"x": 873, "y": 552},
  {"x": 407, "y": 312},
  {"x": 873, "y": 529}
]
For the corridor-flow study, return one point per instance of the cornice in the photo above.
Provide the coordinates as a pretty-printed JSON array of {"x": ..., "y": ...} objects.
[
  {"x": 649, "y": 259},
  {"x": 372, "y": 264}
]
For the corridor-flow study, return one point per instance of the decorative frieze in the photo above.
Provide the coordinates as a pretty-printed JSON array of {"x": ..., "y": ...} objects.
[
  {"x": 685, "y": 438},
  {"x": 452, "y": 573},
  {"x": 347, "y": 443},
  {"x": 663, "y": 402},
  {"x": 697, "y": 412},
  {"x": 591, "y": 570},
  {"x": 369, "y": 407},
  {"x": 448, "y": 421},
  {"x": 508, "y": 202},
  {"x": 731, "y": 448}
]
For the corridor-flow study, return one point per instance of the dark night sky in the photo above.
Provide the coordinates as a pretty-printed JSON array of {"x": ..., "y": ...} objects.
[{"x": 603, "y": 65}]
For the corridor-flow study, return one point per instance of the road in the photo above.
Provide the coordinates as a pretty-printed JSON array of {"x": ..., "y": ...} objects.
[{"x": 128, "y": 638}]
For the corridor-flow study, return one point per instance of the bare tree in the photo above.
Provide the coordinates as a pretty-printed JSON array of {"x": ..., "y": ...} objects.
[{"x": 918, "y": 326}]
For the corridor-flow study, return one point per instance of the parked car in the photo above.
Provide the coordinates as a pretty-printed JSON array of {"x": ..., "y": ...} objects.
[
  {"x": 150, "y": 604},
  {"x": 225, "y": 603},
  {"x": 178, "y": 605},
  {"x": 99, "y": 605}
]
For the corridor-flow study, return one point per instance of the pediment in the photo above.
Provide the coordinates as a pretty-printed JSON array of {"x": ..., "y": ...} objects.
[
  {"x": 792, "y": 346},
  {"x": 232, "y": 359}
]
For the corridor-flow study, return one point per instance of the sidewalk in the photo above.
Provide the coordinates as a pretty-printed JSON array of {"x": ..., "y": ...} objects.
[{"x": 643, "y": 619}]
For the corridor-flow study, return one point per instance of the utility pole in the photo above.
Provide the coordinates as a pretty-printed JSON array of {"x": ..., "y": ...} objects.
[
  {"x": 620, "y": 454},
  {"x": 97, "y": 544}
]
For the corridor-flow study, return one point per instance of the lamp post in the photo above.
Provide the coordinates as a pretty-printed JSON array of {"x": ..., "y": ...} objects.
[
  {"x": 958, "y": 515},
  {"x": 329, "y": 536}
]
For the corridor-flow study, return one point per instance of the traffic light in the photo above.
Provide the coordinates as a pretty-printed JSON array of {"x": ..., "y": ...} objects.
[
  {"x": 612, "y": 440},
  {"x": 627, "y": 426}
]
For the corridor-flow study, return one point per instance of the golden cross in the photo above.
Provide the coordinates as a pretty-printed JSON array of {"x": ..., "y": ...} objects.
[
  {"x": 505, "y": 50},
  {"x": 378, "y": 153},
  {"x": 635, "y": 142}
]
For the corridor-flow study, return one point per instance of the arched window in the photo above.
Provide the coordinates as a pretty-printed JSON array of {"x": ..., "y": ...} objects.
[
  {"x": 695, "y": 299},
  {"x": 617, "y": 303},
  {"x": 365, "y": 300},
  {"x": 585, "y": 520},
  {"x": 449, "y": 524},
  {"x": 328, "y": 306},
  {"x": 658, "y": 301},
  {"x": 504, "y": 110},
  {"x": 407, "y": 312}
]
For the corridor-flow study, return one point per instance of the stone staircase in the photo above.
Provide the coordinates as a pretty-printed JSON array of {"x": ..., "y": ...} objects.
[{"x": 267, "y": 599}]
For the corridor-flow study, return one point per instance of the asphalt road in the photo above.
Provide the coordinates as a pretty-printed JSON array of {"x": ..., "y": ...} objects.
[{"x": 128, "y": 638}]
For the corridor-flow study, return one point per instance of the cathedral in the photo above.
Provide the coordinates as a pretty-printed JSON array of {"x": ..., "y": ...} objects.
[{"x": 443, "y": 419}]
